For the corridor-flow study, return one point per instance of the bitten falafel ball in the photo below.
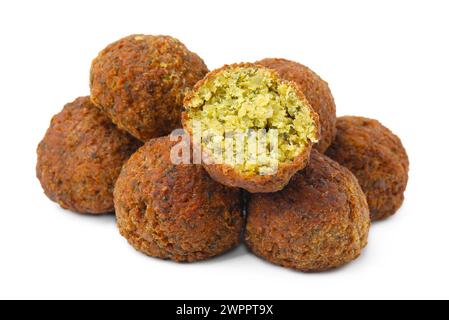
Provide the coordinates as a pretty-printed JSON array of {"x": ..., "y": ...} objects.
[
  {"x": 173, "y": 211},
  {"x": 140, "y": 82},
  {"x": 81, "y": 156},
  {"x": 377, "y": 158},
  {"x": 262, "y": 126},
  {"x": 317, "y": 92},
  {"x": 320, "y": 221}
]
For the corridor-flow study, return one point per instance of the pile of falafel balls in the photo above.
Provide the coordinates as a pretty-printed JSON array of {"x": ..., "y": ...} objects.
[{"x": 110, "y": 152}]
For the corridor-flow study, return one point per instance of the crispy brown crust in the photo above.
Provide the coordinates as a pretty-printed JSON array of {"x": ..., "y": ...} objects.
[
  {"x": 175, "y": 212},
  {"x": 140, "y": 81},
  {"x": 317, "y": 92},
  {"x": 320, "y": 221},
  {"x": 80, "y": 158},
  {"x": 227, "y": 175},
  {"x": 377, "y": 158}
]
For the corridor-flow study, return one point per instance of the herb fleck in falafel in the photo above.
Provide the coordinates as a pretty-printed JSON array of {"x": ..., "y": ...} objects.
[
  {"x": 81, "y": 156},
  {"x": 245, "y": 98},
  {"x": 173, "y": 211},
  {"x": 140, "y": 82},
  {"x": 316, "y": 91},
  {"x": 377, "y": 158},
  {"x": 320, "y": 221}
]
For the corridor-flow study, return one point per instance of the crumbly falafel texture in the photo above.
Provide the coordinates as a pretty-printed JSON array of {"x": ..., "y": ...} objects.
[
  {"x": 244, "y": 99},
  {"x": 317, "y": 92}
]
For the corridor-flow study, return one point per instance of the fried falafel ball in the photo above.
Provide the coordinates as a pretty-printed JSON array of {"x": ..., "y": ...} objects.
[
  {"x": 81, "y": 157},
  {"x": 377, "y": 158},
  {"x": 175, "y": 212},
  {"x": 261, "y": 125},
  {"x": 140, "y": 82},
  {"x": 320, "y": 221},
  {"x": 317, "y": 92}
]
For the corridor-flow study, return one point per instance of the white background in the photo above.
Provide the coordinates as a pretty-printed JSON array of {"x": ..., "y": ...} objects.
[{"x": 383, "y": 59}]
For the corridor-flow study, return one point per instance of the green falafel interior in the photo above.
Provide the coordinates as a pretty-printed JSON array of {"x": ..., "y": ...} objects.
[{"x": 252, "y": 102}]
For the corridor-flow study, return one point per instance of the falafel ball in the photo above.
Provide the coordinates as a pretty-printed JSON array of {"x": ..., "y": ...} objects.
[
  {"x": 81, "y": 156},
  {"x": 140, "y": 82},
  {"x": 377, "y": 158},
  {"x": 173, "y": 211},
  {"x": 257, "y": 129},
  {"x": 320, "y": 221},
  {"x": 317, "y": 92}
]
